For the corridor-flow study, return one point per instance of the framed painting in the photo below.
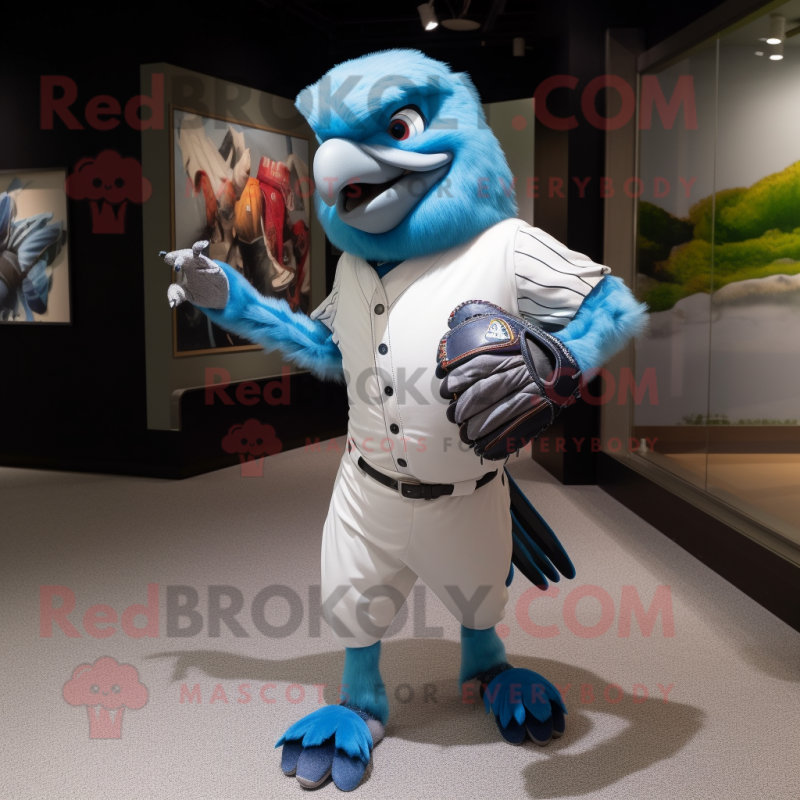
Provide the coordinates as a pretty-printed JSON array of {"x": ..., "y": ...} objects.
[
  {"x": 34, "y": 257},
  {"x": 246, "y": 190}
]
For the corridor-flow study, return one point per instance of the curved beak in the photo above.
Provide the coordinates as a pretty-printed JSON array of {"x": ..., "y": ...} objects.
[
  {"x": 342, "y": 162},
  {"x": 374, "y": 187}
]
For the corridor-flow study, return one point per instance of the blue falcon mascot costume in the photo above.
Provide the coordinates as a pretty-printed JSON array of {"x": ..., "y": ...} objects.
[{"x": 460, "y": 332}]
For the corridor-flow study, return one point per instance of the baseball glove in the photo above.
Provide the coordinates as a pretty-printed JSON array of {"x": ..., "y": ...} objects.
[{"x": 507, "y": 380}]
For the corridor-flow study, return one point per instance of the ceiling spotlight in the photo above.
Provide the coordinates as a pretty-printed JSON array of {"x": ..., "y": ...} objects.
[
  {"x": 518, "y": 46},
  {"x": 777, "y": 52},
  {"x": 428, "y": 16},
  {"x": 461, "y": 23},
  {"x": 759, "y": 52},
  {"x": 777, "y": 29}
]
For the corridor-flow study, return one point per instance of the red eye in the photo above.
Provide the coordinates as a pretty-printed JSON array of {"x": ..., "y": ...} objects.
[
  {"x": 406, "y": 123},
  {"x": 399, "y": 129}
]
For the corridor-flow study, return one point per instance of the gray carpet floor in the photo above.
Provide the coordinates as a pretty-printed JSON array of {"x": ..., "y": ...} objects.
[{"x": 728, "y": 728}]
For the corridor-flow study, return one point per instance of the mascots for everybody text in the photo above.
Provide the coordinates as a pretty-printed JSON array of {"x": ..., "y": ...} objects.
[{"x": 461, "y": 333}]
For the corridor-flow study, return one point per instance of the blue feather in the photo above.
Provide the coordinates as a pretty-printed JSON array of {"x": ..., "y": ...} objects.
[
  {"x": 356, "y": 99},
  {"x": 36, "y": 287},
  {"x": 270, "y": 322},
  {"x": 350, "y": 731},
  {"x": 33, "y": 239},
  {"x": 607, "y": 319},
  {"x": 537, "y": 577},
  {"x": 362, "y": 685},
  {"x": 515, "y": 690},
  {"x": 22, "y": 303},
  {"x": 480, "y": 651},
  {"x": 6, "y": 211}
]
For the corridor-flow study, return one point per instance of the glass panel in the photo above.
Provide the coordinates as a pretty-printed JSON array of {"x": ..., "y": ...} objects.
[
  {"x": 754, "y": 453},
  {"x": 675, "y": 262}
]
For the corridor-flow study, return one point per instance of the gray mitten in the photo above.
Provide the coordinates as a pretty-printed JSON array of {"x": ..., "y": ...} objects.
[
  {"x": 491, "y": 390},
  {"x": 204, "y": 283}
]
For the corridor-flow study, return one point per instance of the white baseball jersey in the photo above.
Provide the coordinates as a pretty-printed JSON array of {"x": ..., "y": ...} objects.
[
  {"x": 375, "y": 542},
  {"x": 388, "y": 332}
]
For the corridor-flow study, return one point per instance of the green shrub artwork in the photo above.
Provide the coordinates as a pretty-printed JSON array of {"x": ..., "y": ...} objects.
[{"x": 755, "y": 233}]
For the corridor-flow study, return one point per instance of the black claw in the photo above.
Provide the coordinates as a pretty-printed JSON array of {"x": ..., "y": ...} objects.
[
  {"x": 539, "y": 732},
  {"x": 290, "y": 756},
  {"x": 559, "y": 723},
  {"x": 513, "y": 733}
]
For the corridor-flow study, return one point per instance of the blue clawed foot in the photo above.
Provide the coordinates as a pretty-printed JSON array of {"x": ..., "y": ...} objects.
[
  {"x": 525, "y": 704},
  {"x": 332, "y": 741}
]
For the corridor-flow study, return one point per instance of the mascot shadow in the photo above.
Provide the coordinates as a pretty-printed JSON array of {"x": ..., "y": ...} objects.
[{"x": 426, "y": 706}]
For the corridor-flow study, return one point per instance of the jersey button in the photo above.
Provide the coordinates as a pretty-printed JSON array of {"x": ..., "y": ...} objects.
[
  {"x": 402, "y": 462},
  {"x": 389, "y": 391},
  {"x": 379, "y": 309},
  {"x": 383, "y": 349},
  {"x": 394, "y": 428}
]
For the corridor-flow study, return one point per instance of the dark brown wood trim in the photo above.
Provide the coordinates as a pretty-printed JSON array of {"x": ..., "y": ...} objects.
[{"x": 720, "y": 438}]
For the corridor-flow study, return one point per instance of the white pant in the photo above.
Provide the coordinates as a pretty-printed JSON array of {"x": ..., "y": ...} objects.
[{"x": 376, "y": 543}]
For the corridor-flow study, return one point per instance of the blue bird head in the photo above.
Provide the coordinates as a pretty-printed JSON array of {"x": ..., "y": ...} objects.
[{"x": 407, "y": 164}]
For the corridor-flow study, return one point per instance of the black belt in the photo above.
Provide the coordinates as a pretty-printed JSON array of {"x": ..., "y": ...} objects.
[{"x": 419, "y": 491}]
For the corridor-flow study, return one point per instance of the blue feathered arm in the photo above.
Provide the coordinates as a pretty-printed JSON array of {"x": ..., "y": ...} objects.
[
  {"x": 271, "y": 323},
  {"x": 606, "y": 321}
]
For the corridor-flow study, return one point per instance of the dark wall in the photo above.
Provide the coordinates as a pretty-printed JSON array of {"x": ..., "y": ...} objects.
[
  {"x": 576, "y": 157},
  {"x": 73, "y": 397},
  {"x": 75, "y": 390}
]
